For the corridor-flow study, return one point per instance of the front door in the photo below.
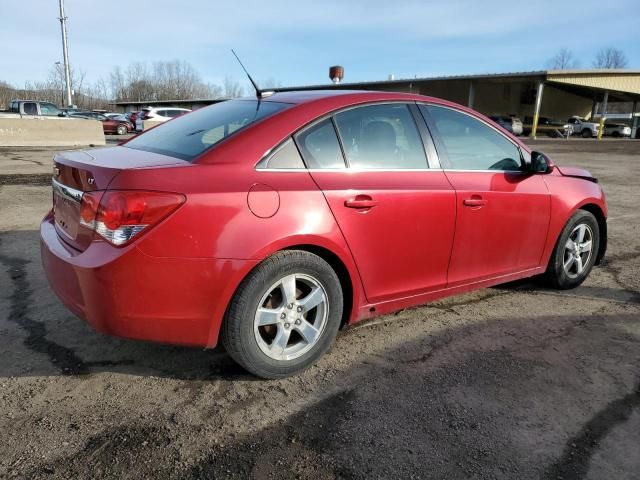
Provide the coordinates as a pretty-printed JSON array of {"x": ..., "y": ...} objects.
[
  {"x": 396, "y": 214},
  {"x": 502, "y": 210}
]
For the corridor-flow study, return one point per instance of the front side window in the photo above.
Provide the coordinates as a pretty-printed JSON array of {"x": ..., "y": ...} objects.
[
  {"x": 470, "y": 144},
  {"x": 188, "y": 136},
  {"x": 49, "y": 109},
  {"x": 320, "y": 147},
  {"x": 381, "y": 136}
]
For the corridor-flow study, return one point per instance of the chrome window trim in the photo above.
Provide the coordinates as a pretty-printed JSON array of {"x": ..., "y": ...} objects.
[
  {"x": 353, "y": 170},
  {"x": 330, "y": 115},
  {"x": 519, "y": 172},
  {"x": 493, "y": 127},
  {"x": 66, "y": 192}
]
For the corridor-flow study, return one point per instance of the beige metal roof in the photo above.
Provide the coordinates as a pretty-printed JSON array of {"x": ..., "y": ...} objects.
[
  {"x": 627, "y": 81},
  {"x": 616, "y": 80}
]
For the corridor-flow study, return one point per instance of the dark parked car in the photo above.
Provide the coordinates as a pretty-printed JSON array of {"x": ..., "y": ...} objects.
[
  {"x": 109, "y": 125},
  {"x": 511, "y": 124}
]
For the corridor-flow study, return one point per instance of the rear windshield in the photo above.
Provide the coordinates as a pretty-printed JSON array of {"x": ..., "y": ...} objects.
[{"x": 188, "y": 136}]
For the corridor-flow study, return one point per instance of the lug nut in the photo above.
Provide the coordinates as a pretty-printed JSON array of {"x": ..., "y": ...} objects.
[
  {"x": 290, "y": 306},
  {"x": 299, "y": 309},
  {"x": 283, "y": 315},
  {"x": 287, "y": 325},
  {"x": 298, "y": 321}
]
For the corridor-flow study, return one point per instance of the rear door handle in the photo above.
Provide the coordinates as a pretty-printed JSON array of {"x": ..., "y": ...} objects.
[
  {"x": 360, "y": 201},
  {"x": 474, "y": 201}
]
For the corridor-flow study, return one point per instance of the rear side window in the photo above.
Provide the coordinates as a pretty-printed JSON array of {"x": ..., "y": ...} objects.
[
  {"x": 470, "y": 144},
  {"x": 174, "y": 113},
  {"x": 287, "y": 156},
  {"x": 381, "y": 136},
  {"x": 188, "y": 136},
  {"x": 320, "y": 147},
  {"x": 30, "y": 108}
]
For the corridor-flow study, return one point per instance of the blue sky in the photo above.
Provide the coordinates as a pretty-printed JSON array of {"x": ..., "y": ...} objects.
[{"x": 295, "y": 42}]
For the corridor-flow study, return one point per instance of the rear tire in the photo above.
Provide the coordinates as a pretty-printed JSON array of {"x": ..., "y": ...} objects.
[
  {"x": 586, "y": 133},
  {"x": 575, "y": 252},
  {"x": 284, "y": 316}
]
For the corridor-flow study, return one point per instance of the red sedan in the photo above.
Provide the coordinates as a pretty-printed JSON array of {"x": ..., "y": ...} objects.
[
  {"x": 114, "y": 125},
  {"x": 269, "y": 224}
]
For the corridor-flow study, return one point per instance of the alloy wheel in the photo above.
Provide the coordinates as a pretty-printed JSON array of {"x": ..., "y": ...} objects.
[
  {"x": 577, "y": 250},
  {"x": 291, "y": 317}
]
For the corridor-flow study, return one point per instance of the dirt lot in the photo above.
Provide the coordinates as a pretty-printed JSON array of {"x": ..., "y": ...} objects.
[{"x": 510, "y": 382}]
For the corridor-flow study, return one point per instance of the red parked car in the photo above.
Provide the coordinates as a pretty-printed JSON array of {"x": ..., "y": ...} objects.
[
  {"x": 120, "y": 126},
  {"x": 269, "y": 224}
]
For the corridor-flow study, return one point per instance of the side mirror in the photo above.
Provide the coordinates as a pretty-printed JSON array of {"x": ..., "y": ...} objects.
[{"x": 540, "y": 163}]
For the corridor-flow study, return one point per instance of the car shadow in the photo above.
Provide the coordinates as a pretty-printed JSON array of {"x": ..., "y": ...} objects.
[
  {"x": 472, "y": 401},
  {"x": 40, "y": 337}
]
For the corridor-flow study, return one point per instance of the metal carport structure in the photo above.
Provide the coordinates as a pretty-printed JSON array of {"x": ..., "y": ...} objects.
[{"x": 550, "y": 93}]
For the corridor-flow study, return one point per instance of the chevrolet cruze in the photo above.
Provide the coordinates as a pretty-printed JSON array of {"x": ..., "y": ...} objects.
[{"x": 269, "y": 223}]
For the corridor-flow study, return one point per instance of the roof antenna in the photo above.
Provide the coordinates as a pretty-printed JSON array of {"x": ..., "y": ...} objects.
[{"x": 255, "y": 86}]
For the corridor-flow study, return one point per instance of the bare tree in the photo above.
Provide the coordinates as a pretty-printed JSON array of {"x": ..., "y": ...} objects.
[
  {"x": 270, "y": 83},
  {"x": 232, "y": 88},
  {"x": 610, "y": 57},
  {"x": 563, "y": 60},
  {"x": 174, "y": 80}
]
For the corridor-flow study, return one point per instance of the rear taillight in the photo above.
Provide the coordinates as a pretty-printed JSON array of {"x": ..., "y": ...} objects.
[{"x": 119, "y": 215}]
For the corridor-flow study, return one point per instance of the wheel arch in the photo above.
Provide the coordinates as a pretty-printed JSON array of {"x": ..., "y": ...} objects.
[
  {"x": 597, "y": 212},
  {"x": 338, "y": 258},
  {"x": 338, "y": 266}
]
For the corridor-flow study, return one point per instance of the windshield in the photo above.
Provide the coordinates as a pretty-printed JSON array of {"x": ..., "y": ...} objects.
[{"x": 188, "y": 136}]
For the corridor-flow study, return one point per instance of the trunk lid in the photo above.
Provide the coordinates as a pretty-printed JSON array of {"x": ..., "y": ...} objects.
[{"x": 79, "y": 171}]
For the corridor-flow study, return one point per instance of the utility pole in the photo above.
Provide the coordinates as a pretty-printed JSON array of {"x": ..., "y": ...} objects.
[{"x": 65, "y": 53}]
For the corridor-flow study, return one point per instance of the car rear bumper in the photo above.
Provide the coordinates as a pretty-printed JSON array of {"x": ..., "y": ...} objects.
[{"x": 127, "y": 293}]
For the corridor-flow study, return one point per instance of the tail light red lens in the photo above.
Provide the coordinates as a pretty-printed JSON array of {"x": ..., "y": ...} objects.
[
  {"x": 89, "y": 207},
  {"x": 120, "y": 215}
]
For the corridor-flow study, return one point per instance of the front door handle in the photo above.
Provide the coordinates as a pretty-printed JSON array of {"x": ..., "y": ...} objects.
[
  {"x": 474, "y": 201},
  {"x": 360, "y": 201}
]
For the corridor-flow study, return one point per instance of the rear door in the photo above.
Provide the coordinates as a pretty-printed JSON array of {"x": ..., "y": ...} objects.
[
  {"x": 502, "y": 211},
  {"x": 396, "y": 213}
]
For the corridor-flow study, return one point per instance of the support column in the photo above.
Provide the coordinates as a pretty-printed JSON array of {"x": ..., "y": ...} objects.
[
  {"x": 634, "y": 119},
  {"x": 594, "y": 107},
  {"x": 472, "y": 95},
  {"x": 603, "y": 114},
  {"x": 536, "y": 113}
]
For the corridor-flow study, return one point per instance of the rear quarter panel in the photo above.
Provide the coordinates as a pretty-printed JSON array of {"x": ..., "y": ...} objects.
[{"x": 216, "y": 221}]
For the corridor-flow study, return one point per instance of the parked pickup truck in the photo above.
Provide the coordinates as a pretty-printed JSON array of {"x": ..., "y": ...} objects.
[
  {"x": 31, "y": 109},
  {"x": 583, "y": 127}
]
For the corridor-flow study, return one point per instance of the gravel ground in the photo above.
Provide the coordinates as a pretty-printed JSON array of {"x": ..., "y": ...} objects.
[{"x": 516, "y": 381}]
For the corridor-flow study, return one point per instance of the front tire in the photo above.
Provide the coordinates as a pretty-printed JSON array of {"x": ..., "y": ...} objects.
[
  {"x": 122, "y": 129},
  {"x": 575, "y": 252},
  {"x": 284, "y": 316}
]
